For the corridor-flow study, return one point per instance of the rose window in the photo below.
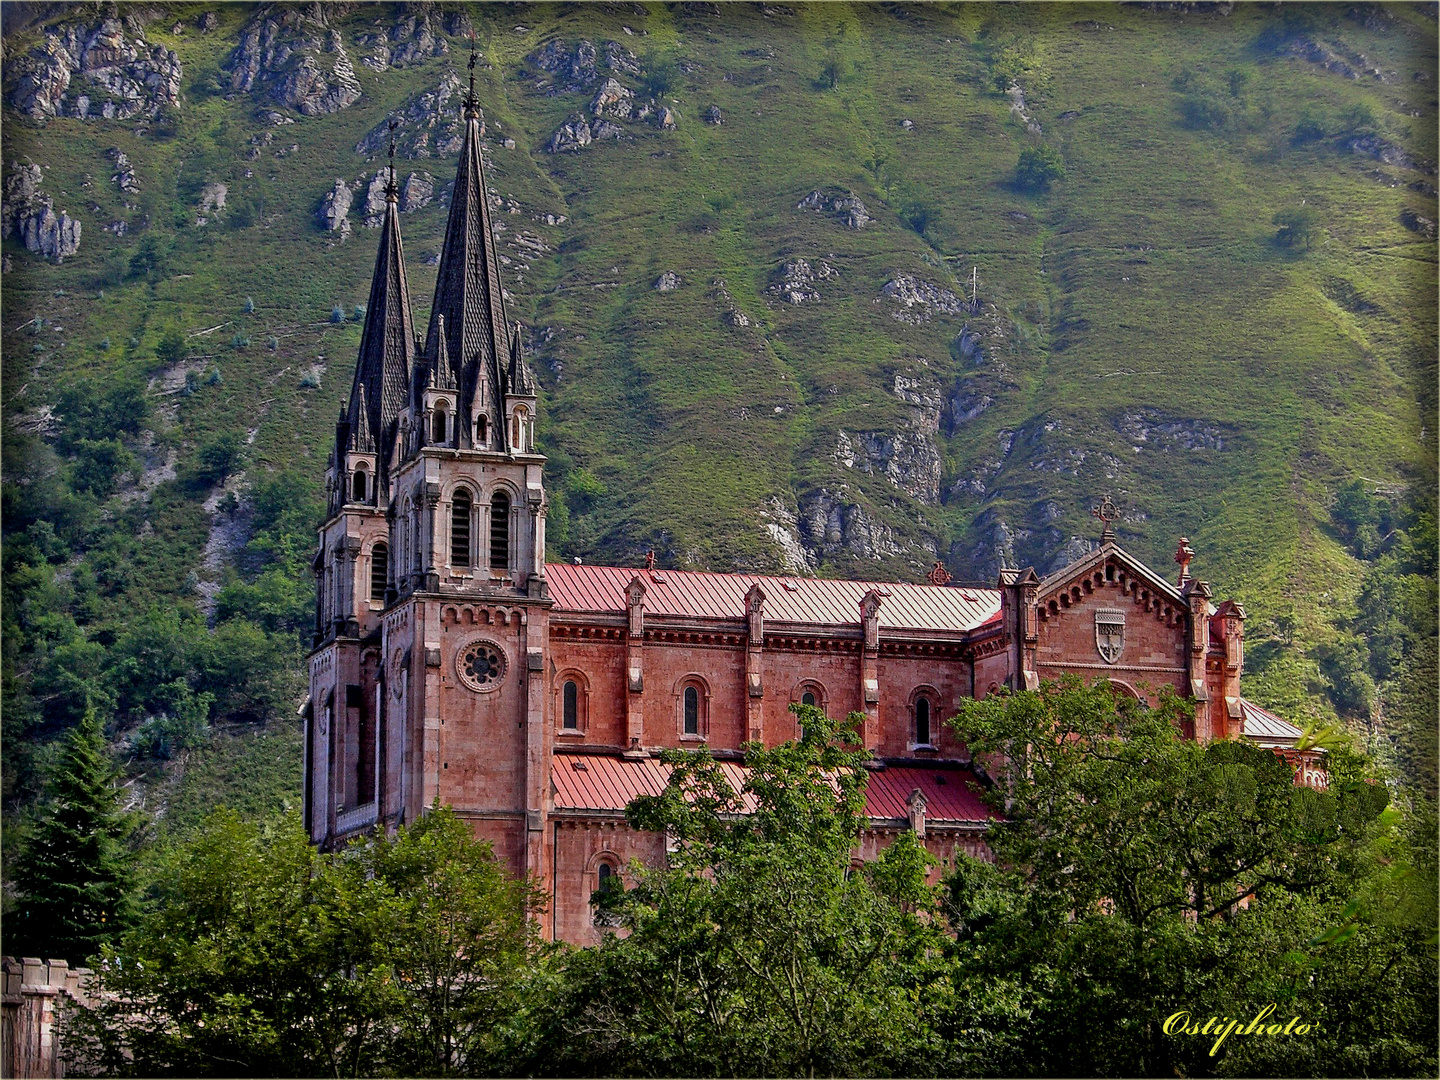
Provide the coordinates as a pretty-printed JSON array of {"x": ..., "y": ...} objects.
[{"x": 481, "y": 665}]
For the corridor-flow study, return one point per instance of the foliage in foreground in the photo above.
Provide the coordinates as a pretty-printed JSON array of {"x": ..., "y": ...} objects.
[
  {"x": 261, "y": 956},
  {"x": 1144, "y": 875},
  {"x": 1138, "y": 876}
]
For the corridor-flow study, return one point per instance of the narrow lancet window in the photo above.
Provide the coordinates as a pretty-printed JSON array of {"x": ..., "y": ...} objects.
[
  {"x": 692, "y": 711},
  {"x": 922, "y": 722},
  {"x": 438, "y": 434},
  {"x": 570, "y": 706}
]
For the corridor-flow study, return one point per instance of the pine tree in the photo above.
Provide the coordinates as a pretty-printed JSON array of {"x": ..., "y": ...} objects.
[{"x": 75, "y": 878}]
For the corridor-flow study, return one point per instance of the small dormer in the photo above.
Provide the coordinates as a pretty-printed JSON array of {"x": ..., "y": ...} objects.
[
  {"x": 359, "y": 478},
  {"x": 521, "y": 422}
]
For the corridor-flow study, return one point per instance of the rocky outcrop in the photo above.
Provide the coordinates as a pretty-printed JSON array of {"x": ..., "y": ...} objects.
[
  {"x": 908, "y": 459},
  {"x": 669, "y": 281},
  {"x": 795, "y": 280},
  {"x": 1350, "y": 67},
  {"x": 118, "y": 77},
  {"x": 417, "y": 191},
  {"x": 1152, "y": 430},
  {"x": 831, "y": 523},
  {"x": 29, "y": 213},
  {"x": 373, "y": 208},
  {"x": 1016, "y": 93},
  {"x": 917, "y": 300},
  {"x": 613, "y": 99},
  {"x": 713, "y": 115},
  {"x": 570, "y": 136},
  {"x": 207, "y": 22},
  {"x": 922, "y": 393},
  {"x": 212, "y": 202},
  {"x": 124, "y": 177},
  {"x": 1418, "y": 223},
  {"x": 730, "y": 314},
  {"x": 567, "y": 69},
  {"x": 783, "y": 528},
  {"x": 291, "y": 56},
  {"x": 334, "y": 210},
  {"x": 429, "y": 124},
  {"x": 1375, "y": 147},
  {"x": 412, "y": 40},
  {"x": 845, "y": 206}
]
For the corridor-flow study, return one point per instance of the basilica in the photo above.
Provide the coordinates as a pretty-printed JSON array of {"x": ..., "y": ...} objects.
[{"x": 452, "y": 663}]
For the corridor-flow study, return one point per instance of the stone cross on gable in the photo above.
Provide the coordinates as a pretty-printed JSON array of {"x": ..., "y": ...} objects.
[{"x": 1107, "y": 512}]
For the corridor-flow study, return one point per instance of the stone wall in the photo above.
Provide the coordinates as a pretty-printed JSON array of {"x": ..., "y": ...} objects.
[{"x": 33, "y": 993}]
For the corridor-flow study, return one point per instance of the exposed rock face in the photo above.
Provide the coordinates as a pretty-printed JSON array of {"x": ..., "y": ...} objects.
[
  {"x": 293, "y": 56},
  {"x": 730, "y": 315},
  {"x": 1377, "y": 148},
  {"x": 29, "y": 212},
  {"x": 569, "y": 137},
  {"x": 831, "y": 523},
  {"x": 843, "y": 205},
  {"x": 1016, "y": 93},
  {"x": 613, "y": 99},
  {"x": 212, "y": 202},
  {"x": 666, "y": 119},
  {"x": 123, "y": 78},
  {"x": 124, "y": 177},
  {"x": 208, "y": 22},
  {"x": 924, "y": 397},
  {"x": 417, "y": 191},
  {"x": 1418, "y": 223},
  {"x": 334, "y": 210},
  {"x": 1149, "y": 429},
  {"x": 412, "y": 40},
  {"x": 908, "y": 459},
  {"x": 669, "y": 281},
  {"x": 713, "y": 115},
  {"x": 429, "y": 124},
  {"x": 919, "y": 299},
  {"x": 1351, "y": 67},
  {"x": 796, "y": 282},
  {"x": 373, "y": 208},
  {"x": 780, "y": 522},
  {"x": 572, "y": 70}
]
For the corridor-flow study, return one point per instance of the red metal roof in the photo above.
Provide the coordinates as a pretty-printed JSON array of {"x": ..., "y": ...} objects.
[
  {"x": 700, "y": 594},
  {"x": 603, "y": 782},
  {"x": 1264, "y": 726}
]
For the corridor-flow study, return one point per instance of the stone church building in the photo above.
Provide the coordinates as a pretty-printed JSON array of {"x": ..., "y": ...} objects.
[{"x": 451, "y": 662}]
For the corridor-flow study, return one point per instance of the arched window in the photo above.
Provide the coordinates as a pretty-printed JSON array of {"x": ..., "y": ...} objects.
[
  {"x": 482, "y": 430},
  {"x": 606, "y": 880},
  {"x": 500, "y": 531},
  {"x": 607, "y": 883},
  {"x": 692, "y": 711},
  {"x": 359, "y": 485},
  {"x": 517, "y": 428},
  {"x": 570, "y": 705},
  {"x": 922, "y": 722},
  {"x": 808, "y": 698},
  {"x": 379, "y": 570},
  {"x": 438, "y": 433},
  {"x": 460, "y": 528}
]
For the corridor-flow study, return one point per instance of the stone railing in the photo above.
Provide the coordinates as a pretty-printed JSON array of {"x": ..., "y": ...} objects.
[
  {"x": 355, "y": 818},
  {"x": 32, "y": 990}
]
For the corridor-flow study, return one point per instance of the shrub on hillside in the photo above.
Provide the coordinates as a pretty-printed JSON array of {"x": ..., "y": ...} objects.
[
  {"x": 1038, "y": 168},
  {"x": 1295, "y": 226}
]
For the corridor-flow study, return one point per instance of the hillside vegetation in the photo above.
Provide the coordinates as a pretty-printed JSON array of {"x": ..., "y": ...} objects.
[{"x": 834, "y": 289}]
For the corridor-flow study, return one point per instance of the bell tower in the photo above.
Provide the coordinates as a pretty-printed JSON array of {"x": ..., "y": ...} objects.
[
  {"x": 451, "y": 638},
  {"x": 344, "y": 739}
]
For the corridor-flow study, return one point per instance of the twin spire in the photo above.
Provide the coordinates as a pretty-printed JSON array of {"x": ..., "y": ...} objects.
[{"x": 470, "y": 347}]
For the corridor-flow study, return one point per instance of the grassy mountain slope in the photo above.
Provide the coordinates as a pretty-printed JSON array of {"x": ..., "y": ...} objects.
[{"x": 1139, "y": 330}]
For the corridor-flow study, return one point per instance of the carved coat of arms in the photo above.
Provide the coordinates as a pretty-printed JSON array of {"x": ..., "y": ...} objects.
[{"x": 1110, "y": 634}]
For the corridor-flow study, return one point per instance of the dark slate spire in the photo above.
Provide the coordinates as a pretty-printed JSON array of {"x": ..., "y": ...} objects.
[
  {"x": 442, "y": 374},
  {"x": 387, "y": 345},
  {"x": 468, "y": 299},
  {"x": 519, "y": 381},
  {"x": 362, "y": 438}
]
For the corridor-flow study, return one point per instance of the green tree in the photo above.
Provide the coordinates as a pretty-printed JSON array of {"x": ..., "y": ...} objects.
[
  {"x": 757, "y": 948},
  {"x": 171, "y": 347},
  {"x": 1038, "y": 168},
  {"x": 261, "y": 955},
  {"x": 1297, "y": 225},
  {"x": 1138, "y": 874},
  {"x": 75, "y": 876}
]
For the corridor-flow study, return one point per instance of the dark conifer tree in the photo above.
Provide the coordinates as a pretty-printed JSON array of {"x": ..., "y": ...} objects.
[{"x": 75, "y": 877}]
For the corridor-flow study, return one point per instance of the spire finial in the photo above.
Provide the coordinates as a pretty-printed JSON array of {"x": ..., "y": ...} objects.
[
  {"x": 1107, "y": 512},
  {"x": 472, "y": 103},
  {"x": 392, "y": 190}
]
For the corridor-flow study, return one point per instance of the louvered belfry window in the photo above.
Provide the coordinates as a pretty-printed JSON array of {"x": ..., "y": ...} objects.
[
  {"x": 460, "y": 529},
  {"x": 379, "y": 570},
  {"x": 500, "y": 531}
]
